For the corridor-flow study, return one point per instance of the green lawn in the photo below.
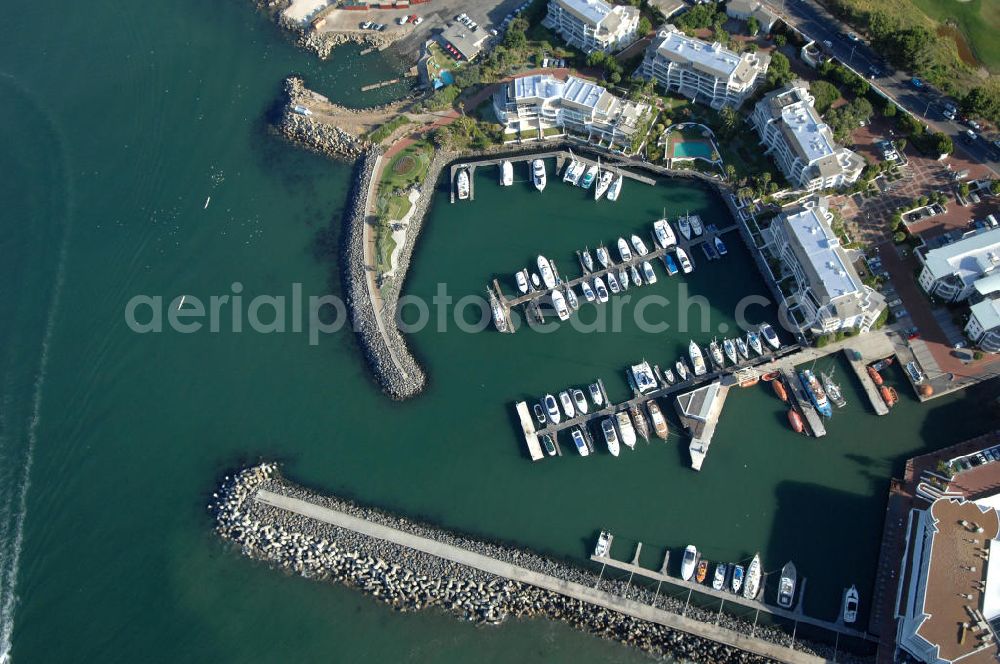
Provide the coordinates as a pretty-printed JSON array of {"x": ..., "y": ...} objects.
[
  {"x": 384, "y": 246},
  {"x": 977, "y": 20},
  {"x": 405, "y": 170}
]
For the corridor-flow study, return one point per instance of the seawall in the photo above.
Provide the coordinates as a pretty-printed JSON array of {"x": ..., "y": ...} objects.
[{"x": 412, "y": 566}]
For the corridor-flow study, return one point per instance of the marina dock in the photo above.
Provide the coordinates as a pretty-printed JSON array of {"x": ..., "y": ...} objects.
[
  {"x": 861, "y": 371},
  {"x": 796, "y": 615}
]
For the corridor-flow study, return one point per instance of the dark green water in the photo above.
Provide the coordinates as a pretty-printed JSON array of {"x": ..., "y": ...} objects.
[{"x": 117, "y": 121}]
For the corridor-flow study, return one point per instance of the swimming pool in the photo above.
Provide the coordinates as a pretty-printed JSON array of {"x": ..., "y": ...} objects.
[
  {"x": 691, "y": 149},
  {"x": 446, "y": 77}
]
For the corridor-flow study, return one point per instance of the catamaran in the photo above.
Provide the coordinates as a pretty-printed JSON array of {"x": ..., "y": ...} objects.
[
  {"x": 559, "y": 302},
  {"x": 463, "y": 184},
  {"x": 684, "y": 224},
  {"x": 506, "y": 173},
  {"x": 589, "y": 176},
  {"x": 625, "y": 429},
  {"x": 545, "y": 270},
  {"x": 538, "y": 174},
  {"x": 730, "y": 348},
  {"x": 613, "y": 283},
  {"x": 522, "y": 281},
  {"x": 573, "y": 172},
  {"x": 664, "y": 234},
  {"x": 642, "y": 377},
  {"x": 668, "y": 262},
  {"x": 603, "y": 182},
  {"x": 715, "y": 352},
  {"x": 751, "y": 584},
  {"x": 770, "y": 336},
  {"x": 616, "y": 188},
  {"x": 552, "y": 409},
  {"x": 580, "y": 442},
  {"x": 639, "y": 245},
  {"x": 659, "y": 422},
  {"x": 686, "y": 265},
  {"x": 588, "y": 292},
  {"x": 753, "y": 340},
  {"x": 603, "y": 257},
  {"x": 567, "y": 404},
  {"x": 610, "y": 435},
  {"x": 689, "y": 562},
  {"x": 786, "y": 585},
  {"x": 647, "y": 271},
  {"x": 697, "y": 360},
  {"x": 602, "y": 292},
  {"x": 623, "y": 250},
  {"x": 588, "y": 261},
  {"x": 696, "y": 228}
]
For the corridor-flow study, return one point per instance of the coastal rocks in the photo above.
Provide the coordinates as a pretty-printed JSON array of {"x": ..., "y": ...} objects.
[
  {"x": 311, "y": 133},
  {"x": 323, "y": 43},
  {"x": 410, "y": 580}
]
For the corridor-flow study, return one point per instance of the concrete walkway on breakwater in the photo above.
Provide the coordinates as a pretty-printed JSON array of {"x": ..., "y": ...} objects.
[{"x": 545, "y": 582}]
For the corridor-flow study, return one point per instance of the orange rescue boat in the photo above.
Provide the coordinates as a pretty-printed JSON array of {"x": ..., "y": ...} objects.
[
  {"x": 889, "y": 396},
  {"x": 702, "y": 571},
  {"x": 779, "y": 389},
  {"x": 875, "y": 376},
  {"x": 772, "y": 375},
  {"x": 796, "y": 420}
]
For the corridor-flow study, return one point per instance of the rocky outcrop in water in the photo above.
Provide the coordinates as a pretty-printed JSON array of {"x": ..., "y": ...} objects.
[
  {"x": 409, "y": 580},
  {"x": 310, "y": 131}
]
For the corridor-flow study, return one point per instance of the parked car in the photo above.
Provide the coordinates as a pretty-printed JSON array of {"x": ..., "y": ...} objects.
[
  {"x": 827, "y": 43},
  {"x": 417, "y": 20},
  {"x": 916, "y": 82},
  {"x": 980, "y": 458},
  {"x": 853, "y": 37},
  {"x": 949, "y": 111},
  {"x": 894, "y": 303},
  {"x": 972, "y": 123},
  {"x": 970, "y": 135},
  {"x": 874, "y": 72}
]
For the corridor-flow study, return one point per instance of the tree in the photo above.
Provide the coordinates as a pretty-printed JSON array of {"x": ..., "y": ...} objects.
[
  {"x": 597, "y": 59},
  {"x": 780, "y": 40},
  {"x": 730, "y": 172},
  {"x": 780, "y": 70},
  {"x": 729, "y": 119},
  {"x": 753, "y": 26},
  {"x": 615, "y": 78},
  {"x": 699, "y": 16},
  {"x": 910, "y": 126},
  {"x": 981, "y": 103},
  {"x": 995, "y": 187},
  {"x": 862, "y": 109},
  {"x": 825, "y": 94},
  {"x": 963, "y": 190},
  {"x": 645, "y": 27},
  {"x": 940, "y": 143},
  {"x": 900, "y": 144},
  {"x": 899, "y": 237},
  {"x": 516, "y": 36},
  {"x": 890, "y": 110},
  {"x": 720, "y": 35}
]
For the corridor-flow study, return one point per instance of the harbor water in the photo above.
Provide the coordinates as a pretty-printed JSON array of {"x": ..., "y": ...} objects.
[{"x": 119, "y": 121}]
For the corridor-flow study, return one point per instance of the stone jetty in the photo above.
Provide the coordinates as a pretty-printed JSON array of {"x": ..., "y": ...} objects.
[
  {"x": 255, "y": 510},
  {"x": 310, "y": 132}
]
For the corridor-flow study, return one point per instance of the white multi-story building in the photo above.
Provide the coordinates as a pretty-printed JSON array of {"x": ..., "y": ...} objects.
[
  {"x": 801, "y": 143},
  {"x": 948, "y": 597},
  {"x": 984, "y": 325},
  {"x": 593, "y": 25},
  {"x": 951, "y": 272},
  {"x": 744, "y": 9},
  {"x": 704, "y": 72},
  {"x": 828, "y": 294},
  {"x": 540, "y": 102}
]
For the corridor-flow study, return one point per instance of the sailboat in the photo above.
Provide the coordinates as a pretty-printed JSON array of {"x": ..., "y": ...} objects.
[
  {"x": 751, "y": 583},
  {"x": 753, "y": 340},
  {"x": 833, "y": 390},
  {"x": 640, "y": 422},
  {"x": 616, "y": 188},
  {"x": 684, "y": 224},
  {"x": 730, "y": 348},
  {"x": 603, "y": 257},
  {"x": 588, "y": 260},
  {"x": 604, "y": 181},
  {"x": 741, "y": 346},
  {"x": 499, "y": 319},
  {"x": 715, "y": 352}
]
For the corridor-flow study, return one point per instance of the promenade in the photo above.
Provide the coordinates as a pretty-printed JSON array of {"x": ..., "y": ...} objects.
[{"x": 518, "y": 574}]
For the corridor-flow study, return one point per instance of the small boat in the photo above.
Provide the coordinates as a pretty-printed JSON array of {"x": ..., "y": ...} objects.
[
  {"x": 833, "y": 390},
  {"x": 604, "y": 181},
  {"x": 499, "y": 319},
  {"x": 669, "y": 376},
  {"x": 719, "y": 578},
  {"x": 753, "y": 340},
  {"x": 779, "y": 389},
  {"x": 574, "y": 303},
  {"x": 851, "y": 605},
  {"x": 205, "y": 207},
  {"x": 647, "y": 271},
  {"x": 603, "y": 257},
  {"x": 603, "y": 544},
  {"x": 689, "y": 562},
  {"x": 715, "y": 352},
  {"x": 595, "y": 394},
  {"x": 696, "y": 227},
  {"x": 567, "y": 404},
  {"x": 702, "y": 572},
  {"x": 687, "y": 267},
  {"x": 639, "y": 420},
  {"x": 636, "y": 277},
  {"x": 770, "y": 336},
  {"x": 771, "y": 375},
  {"x": 625, "y": 429},
  {"x": 538, "y": 174},
  {"x": 623, "y": 250},
  {"x": 559, "y": 302},
  {"x": 539, "y": 413},
  {"x": 751, "y": 583},
  {"x": 741, "y": 346},
  {"x": 552, "y": 409},
  {"x": 709, "y": 251},
  {"x": 795, "y": 420},
  {"x": 588, "y": 261},
  {"x": 613, "y": 283},
  {"x": 730, "y": 348},
  {"x": 888, "y": 395},
  {"x": 602, "y": 292},
  {"x": 682, "y": 370},
  {"x": 589, "y": 176},
  {"x": 623, "y": 278},
  {"x": 550, "y": 447},
  {"x": 736, "y": 583},
  {"x": 720, "y": 246},
  {"x": 580, "y": 399},
  {"x": 535, "y": 281},
  {"x": 882, "y": 364},
  {"x": 580, "y": 442},
  {"x": 639, "y": 245},
  {"x": 641, "y": 377},
  {"x": 545, "y": 269},
  {"x": 684, "y": 224},
  {"x": 522, "y": 281},
  {"x": 506, "y": 173},
  {"x": 786, "y": 585},
  {"x": 463, "y": 184},
  {"x": 616, "y": 188},
  {"x": 697, "y": 360},
  {"x": 668, "y": 262},
  {"x": 664, "y": 234},
  {"x": 815, "y": 392},
  {"x": 588, "y": 292},
  {"x": 573, "y": 172},
  {"x": 659, "y": 422},
  {"x": 875, "y": 376}
]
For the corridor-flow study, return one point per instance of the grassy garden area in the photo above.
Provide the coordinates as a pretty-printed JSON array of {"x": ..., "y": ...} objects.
[{"x": 406, "y": 170}]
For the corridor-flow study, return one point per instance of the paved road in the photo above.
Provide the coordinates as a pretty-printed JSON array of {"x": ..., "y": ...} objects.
[
  {"x": 544, "y": 581},
  {"x": 810, "y": 18}
]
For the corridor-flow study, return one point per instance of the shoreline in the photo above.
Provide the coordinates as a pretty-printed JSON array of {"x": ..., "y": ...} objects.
[{"x": 409, "y": 579}]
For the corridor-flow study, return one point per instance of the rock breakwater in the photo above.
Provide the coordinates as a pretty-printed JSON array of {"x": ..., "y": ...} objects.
[
  {"x": 411, "y": 580},
  {"x": 311, "y": 132}
]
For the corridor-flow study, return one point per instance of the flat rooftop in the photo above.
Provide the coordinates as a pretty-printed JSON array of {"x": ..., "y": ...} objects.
[
  {"x": 713, "y": 59},
  {"x": 987, "y": 313},
  {"x": 819, "y": 249},
  {"x": 590, "y": 11},
  {"x": 969, "y": 258}
]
